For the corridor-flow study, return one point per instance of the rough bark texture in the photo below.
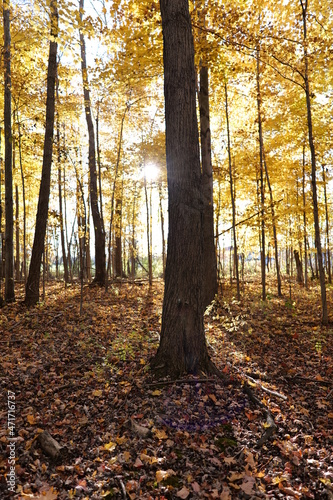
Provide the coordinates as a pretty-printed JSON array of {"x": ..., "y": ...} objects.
[
  {"x": 9, "y": 235},
  {"x": 97, "y": 219},
  {"x": 32, "y": 286},
  {"x": 182, "y": 346},
  {"x": 209, "y": 254}
]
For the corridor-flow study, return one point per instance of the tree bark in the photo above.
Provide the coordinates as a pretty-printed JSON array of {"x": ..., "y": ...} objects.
[
  {"x": 9, "y": 209},
  {"x": 97, "y": 219},
  {"x": 32, "y": 286},
  {"x": 304, "y": 5},
  {"x": 182, "y": 346},
  {"x": 209, "y": 252},
  {"x": 299, "y": 268}
]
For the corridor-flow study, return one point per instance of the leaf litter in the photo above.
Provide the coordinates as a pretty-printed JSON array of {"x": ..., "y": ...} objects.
[{"x": 85, "y": 380}]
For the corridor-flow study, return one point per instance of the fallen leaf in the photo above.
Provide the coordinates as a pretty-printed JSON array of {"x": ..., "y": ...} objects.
[
  {"x": 183, "y": 493},
  {"x": 31, "y": 419}
]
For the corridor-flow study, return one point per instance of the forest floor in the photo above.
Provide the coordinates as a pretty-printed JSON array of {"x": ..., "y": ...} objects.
[{"x": 85, "y": 379}]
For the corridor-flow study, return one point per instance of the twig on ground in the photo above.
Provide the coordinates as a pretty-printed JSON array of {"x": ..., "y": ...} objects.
[{"x": 182, "y": 381}]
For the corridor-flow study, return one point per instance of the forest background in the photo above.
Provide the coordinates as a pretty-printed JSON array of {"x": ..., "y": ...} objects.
[
  {"x": 262, "y": 161},
  {"x": 83, "y": 92}
]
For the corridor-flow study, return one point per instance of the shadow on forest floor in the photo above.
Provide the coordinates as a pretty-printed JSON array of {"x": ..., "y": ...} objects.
[{"x": 85, "y": 379}]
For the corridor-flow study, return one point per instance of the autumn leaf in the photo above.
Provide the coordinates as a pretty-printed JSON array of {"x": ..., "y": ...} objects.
[
  {"x": 183, "y": 493},
  {"x": 97, "y": 393},
  {"x": 160, "y": 434},
  {"x": 31, "y": 419},
  {"x": 110, "y": 446}
]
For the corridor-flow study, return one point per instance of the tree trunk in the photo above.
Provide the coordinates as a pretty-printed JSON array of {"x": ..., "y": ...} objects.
[
  {"x": 276, "y": 251},
  {"x": 304, "y": 5},
  {"x": 17, "y": 232},
  {"x": 299, "y": 268},
  {"x": 209, "y": 252},
  {"x": 232, "y": 192},
  {"x": 97, "y": 219},
  {"x": 162, "y": 229},
  {"x": 262, "y": 188},
  {"x": 118, "y": 248},
  {"x": 61, "y": 215},
  {"x": 9, "y": 210},
  {"x": 150, "y": 257},
  {"x": 304, "y": 225},
  {"x": 113, "y": 193},
  {"x": 23, "y": 200},
  {"x": 32, "y": 286},
  {"x": 327, "y": 229},
  {"x": 182, "y": 346}
]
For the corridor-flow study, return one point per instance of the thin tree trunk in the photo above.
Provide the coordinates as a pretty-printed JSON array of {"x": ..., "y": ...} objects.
[
  {"x": 262, "y": 187},
  {"x": 23, "y": 200},
  {"x": 304, "y": 224},
  {"x": 277, "y": 264},
  {"x": 100, "y": 269},
  {"x": 150, "y": 263},
  {"x": 9, "y": 212},
  {"x": 61, "y": 215},
  {"x": 118, "y": 249},
  {"x": 32, "y": 286},
  {"x": 304, "y": 5},
  {"x": 327, "y": 228},
  {"x": 99, "y": 167},
  {"x": 232, "y": 193},
  {"x": 209, "y": 257},
  {"x": 113, "y": 192},
  {"x": 17, "y": 232},
  {"x": 162, "y": 229}
]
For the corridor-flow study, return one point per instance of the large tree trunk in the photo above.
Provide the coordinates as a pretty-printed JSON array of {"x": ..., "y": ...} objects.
[
  {"x": 97, "y": 219},
  {"x": 32, "y": 286},
  {"x": 304, "y": 5},
  {"x": 9, "y": 213},
  {"x": 182, "y": 346},
  {"x": 209, "y": 253}
]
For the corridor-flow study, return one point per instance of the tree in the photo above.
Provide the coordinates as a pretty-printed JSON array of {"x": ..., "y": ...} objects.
[
  {"x": 9, "y": 235},
  {"x": 96, "y": 214},
  {"x": 304, "y": 6},
  {"x": 32, "y": 286},
  {"x": 209, "y": 257},
  {"x": 182, "y": 346}
]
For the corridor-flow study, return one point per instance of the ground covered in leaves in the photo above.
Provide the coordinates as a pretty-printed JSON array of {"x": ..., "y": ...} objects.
[{"x": 85, "y": 379}]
